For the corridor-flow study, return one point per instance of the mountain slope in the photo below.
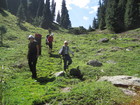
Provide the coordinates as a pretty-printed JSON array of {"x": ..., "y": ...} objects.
[{"x": 119, "y": 56}]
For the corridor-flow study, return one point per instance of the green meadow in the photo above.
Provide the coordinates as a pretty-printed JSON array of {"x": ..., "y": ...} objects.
[{"x": 18, "y": 88}]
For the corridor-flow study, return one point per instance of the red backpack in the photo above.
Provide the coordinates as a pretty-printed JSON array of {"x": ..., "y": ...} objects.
[{"x": 50, "y": 38}]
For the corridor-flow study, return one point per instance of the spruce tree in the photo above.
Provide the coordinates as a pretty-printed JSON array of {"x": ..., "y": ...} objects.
[
  {"x": 53, "y": 6},
  {"x": 21, "y": 12},
  {"x": 95, "y": 24},
  {"x": 32, "y": 10},
  {"x": 40, "y": 8},
  {"x": 132, "y": 14},
  {"x": 121, "y": 12},
  {"x": 112, "y": 16},
  {"x": 12, "y": 6},
  {"x": 3, "y": 4},
  {"x": 46, "y": 22},
  {"x": 65, "y": 21},
  {"x": 58, "y": 19},
  {"x": 101, "y": 14}
]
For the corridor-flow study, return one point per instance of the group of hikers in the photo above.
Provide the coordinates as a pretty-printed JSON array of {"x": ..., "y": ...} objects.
[{"x": 34, "y": 52}]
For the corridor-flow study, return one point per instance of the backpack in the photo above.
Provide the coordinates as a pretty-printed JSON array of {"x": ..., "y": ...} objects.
[{"x": 50, "y": 38}]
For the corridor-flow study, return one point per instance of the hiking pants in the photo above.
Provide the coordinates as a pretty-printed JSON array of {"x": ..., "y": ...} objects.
[
  {"x": 32, "y": 60},
  {"x": 67, "y": 61}
]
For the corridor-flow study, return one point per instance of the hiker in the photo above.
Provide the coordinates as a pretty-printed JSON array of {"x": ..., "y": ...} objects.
[
  {"x": 47, "y": 37},
  {"x": 64, "y": 51},
  {"x": 50, "y": 42},
  {"x": 33, "y": 53}
]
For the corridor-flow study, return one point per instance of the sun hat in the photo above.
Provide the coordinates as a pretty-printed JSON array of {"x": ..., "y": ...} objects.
[
  {"x": 65, "y": 42},
  {"x": 31, "y": 36},
  {"x": 52, "y": 34}
]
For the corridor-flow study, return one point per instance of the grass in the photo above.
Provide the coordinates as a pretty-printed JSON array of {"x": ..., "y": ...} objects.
[{"x": 18, "y": 88}]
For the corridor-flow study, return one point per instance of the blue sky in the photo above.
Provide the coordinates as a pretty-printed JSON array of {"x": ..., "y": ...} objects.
[{"x": 81, "y": 12}]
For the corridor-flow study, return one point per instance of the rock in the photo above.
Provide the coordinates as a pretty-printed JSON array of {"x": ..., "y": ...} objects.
[
  {"x": 61, "y": 73},
  {"x": 94, "y": 63},
  {"x": 76, "y": 72},
  {"x": 123, "y": 81},
  {"x": 104, "y": 40}
]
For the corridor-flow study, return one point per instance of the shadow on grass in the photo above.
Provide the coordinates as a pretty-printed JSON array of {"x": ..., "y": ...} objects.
[
  {"x": 3, "y": 45},
  {"x": 23, "y": 28},
  {"x": 3, "y": 13},
  {"x": 44, "y": 80},
  {"x": 55, "y": 55}
]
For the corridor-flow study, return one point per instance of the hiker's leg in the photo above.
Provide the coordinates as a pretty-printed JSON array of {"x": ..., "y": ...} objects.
[
  {"x": 30, "y": 64},
  {"x": 65, "y": 63},
  {"x": 34, "y": 75},
  {"x": 69, "y": 60}
]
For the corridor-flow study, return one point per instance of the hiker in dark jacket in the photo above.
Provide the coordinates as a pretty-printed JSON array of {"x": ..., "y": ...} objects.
[
  {"x": 64, "y": 51},
  {"x": 33, "y": 53}
]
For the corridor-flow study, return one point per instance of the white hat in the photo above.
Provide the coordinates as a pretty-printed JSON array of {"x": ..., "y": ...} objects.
[
  {"x": 52, "y": 34},
  {"x": 31, "y": 36},
  {"x": 65, "y": 42}
]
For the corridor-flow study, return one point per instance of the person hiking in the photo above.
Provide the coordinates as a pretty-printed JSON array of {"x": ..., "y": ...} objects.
[
  {"x": 64, "y": 51},
  {"x": 33, "y": 53},
  {"x": 50, "y": 43},
  {"x": 47, "y": 42}
]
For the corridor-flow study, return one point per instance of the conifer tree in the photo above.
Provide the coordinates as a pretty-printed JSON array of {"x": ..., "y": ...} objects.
[
  {"x": 21, "y": 12},
  {"x": 121, "y": 12},
  {"x": 40, "y": 8},
  {"x": 112, "y": 15},
  {"x": 12, "y": 6},
  {"x": 53, "y": 6},
  {"x": 46, "y": 22},
  {"x": 58, "y": 19},
  {"x": 3, "y": 4},
  {"x": 132, "y": 14},
  {"x": 95, "y": 24},
  {"x": 101, "y": 14},
  {"x": 65, "y": 21},
  {"x": 32, "y": 10}
]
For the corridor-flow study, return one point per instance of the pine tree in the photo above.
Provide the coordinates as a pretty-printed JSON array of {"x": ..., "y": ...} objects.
[
  {"x": 101, "y": 14},
  {"x": 3, "y": 4},
  {"x": 12, "y": 6},
  {"x": 46, "y": 22},
  {"x": 132, "y": 14},
  {"x": 112, "y": 16},
  {"x": 40, "y": 8},
  {"x": 53, "y": 6},
  {"x": 32, "y": 10},
  {"x": 58, "y": 19},
  {"x": 21, "y": 12},
  {"x": 95, "y": 24},
  {"x": 121, "y": 12},
  {"x": 65, "y": 21}
]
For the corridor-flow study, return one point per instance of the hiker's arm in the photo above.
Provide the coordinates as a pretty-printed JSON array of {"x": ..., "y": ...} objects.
[{"x": 71, "y": 52}]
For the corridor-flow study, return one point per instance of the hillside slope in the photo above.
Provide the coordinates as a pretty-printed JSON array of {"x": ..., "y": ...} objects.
[{"x": 119, "y": 56}]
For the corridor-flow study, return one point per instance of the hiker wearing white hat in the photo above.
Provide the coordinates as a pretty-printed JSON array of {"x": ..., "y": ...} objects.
[
  {"x": 33, "y": 53},
  {"x": 64, "y": 51}
]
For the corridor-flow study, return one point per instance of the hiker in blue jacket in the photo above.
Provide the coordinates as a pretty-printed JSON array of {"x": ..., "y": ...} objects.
[{"x": 64, "y": 51}]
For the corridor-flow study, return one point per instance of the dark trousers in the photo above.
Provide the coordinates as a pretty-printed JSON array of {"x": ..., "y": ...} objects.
[
  {"x": 67, "y": 61},
  {"x": 32, "y": 60}
]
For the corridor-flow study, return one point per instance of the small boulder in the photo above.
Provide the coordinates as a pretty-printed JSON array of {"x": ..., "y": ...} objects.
[
  {"x": 104, "y": 40},
  {"x": 58, "y": 74},
  {"x": 94, "y": 63}
]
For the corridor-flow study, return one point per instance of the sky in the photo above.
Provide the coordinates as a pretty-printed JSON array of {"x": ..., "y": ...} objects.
[{"x": 81, "y": 12}]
